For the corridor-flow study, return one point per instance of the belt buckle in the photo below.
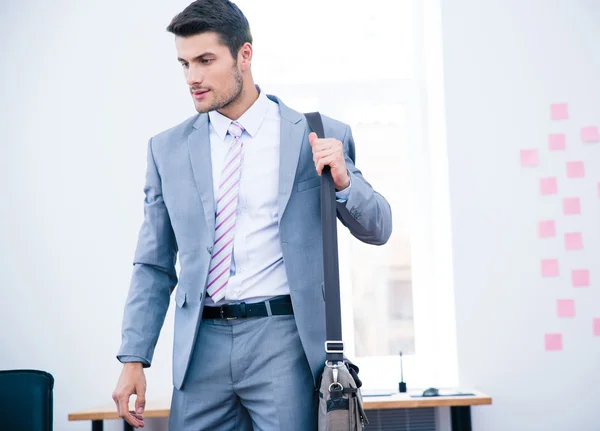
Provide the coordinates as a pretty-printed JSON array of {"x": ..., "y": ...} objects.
[
  {"x": 226, "y": 318},
  {"x": 223, "y": 317}
]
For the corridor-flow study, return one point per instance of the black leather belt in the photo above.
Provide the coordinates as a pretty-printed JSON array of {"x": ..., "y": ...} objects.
[{"x": 279, "y": 306}]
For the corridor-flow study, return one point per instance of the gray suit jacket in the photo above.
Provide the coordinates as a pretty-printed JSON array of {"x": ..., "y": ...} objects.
[{"x": 179, "y": 217}]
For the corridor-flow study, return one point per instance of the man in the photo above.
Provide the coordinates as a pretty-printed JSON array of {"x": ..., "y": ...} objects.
[{"x": 234, "y": 190}]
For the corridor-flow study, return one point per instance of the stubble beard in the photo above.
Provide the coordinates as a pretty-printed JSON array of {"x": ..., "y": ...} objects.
[{"x": 222, "y": 101}]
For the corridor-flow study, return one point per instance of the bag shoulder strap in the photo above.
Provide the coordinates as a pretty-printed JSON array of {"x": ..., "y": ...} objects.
[{"x": 334, "y": 346}]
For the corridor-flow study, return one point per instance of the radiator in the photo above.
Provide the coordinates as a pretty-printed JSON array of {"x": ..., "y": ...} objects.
[{"x": 422, "y": 419}]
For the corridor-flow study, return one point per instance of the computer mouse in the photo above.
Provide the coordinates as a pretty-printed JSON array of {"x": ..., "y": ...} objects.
[{"x": 431, "y": 392}]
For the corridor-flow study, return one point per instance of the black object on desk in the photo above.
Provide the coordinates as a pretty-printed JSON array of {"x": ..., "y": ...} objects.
[
  {"x": 431, "y": 392},
  {"x": 435, "y": 392},
  {"x": 402, "y": 383}
]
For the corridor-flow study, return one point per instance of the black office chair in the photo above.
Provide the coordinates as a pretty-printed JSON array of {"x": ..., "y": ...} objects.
[{"x": 26, "y": 400}]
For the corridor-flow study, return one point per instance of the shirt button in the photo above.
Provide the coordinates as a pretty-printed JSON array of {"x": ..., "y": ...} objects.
[{"x": 209, "y": 249}]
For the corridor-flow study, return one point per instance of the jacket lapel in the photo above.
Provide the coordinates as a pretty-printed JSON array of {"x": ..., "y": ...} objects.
[
  {"x": 199, "y": 149},
  {"x": 293, "y": 130}
]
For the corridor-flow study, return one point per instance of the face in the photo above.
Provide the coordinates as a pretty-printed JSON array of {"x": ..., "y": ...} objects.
[{"x": 212, "y": 74}]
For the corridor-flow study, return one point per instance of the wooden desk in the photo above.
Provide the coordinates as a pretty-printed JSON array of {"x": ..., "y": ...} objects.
[{"x": 460, "y": 408}]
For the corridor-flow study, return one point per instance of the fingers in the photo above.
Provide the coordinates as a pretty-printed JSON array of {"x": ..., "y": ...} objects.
[
  {"x": 321, "y": 154},
  {"x": 140, "y": 402},
  {"x": 330, "y": 152},
  {"x": 325, "y": 151},
  {"x": 322, "y": 144},
  {"x": 137, "y": 417},
  {"x": 124, "y": 411},
  {"x": 325, "y": 161},
  {"x": 125, "y": 414}
]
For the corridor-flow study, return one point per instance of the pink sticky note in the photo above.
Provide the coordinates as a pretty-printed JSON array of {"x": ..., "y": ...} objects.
[
  {"x": 565, "y": 308},
  {"x": 547, "y": 228},
  {"x": 580, "y": 277},
  {"x": 529, "y": 157},
  {"x": 548, "y": 186},
  {"x": 557, "y": 141},
  {"x": 571, "y": 206},
  {"x": 590, "y": 134},
  {"x": 573, "y": 241},
  {"x": 597, "y": 326},
  {"x": 559, "y": 111},
  {"x": 549, "y": 267},
  {"x": 553, "y": 341},
  {"x": 575, "y": 170}
]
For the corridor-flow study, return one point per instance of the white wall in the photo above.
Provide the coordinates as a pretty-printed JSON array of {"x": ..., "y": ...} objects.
[
  {"x": 505, "y": 62},
  {"x": 84, "y": 85}
]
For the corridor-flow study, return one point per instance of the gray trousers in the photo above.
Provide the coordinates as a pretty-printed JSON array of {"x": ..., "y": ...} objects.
[{"x": 246, "y": 374}]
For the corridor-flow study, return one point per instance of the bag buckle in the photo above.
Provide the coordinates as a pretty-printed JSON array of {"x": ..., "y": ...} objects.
[
  {"x": 334, "y": 346},
  {"x": 335, "y": 366},
  {"x": 335, "y": 384}
]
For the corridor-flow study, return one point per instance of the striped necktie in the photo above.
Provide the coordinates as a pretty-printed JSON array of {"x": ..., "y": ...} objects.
[{"x": 220, "y": 263}]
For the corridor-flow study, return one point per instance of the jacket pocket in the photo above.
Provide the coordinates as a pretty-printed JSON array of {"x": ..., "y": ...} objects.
[{"x": 309, "y": 184}]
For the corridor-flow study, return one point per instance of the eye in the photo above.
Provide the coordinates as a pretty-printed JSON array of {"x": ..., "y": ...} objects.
[
  {"x": 207, "y": 60},
  {"x": 184, "y": 64}
]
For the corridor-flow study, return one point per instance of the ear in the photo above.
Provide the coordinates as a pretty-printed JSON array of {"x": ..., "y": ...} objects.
[{"x": 245, "y": 56}]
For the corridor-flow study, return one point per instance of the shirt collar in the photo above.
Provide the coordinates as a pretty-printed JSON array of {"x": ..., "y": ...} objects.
[{"x": 250, "y": 120}]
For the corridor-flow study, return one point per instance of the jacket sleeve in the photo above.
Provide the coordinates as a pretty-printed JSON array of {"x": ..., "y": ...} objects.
[
  {"x": 154, "y": 276},
  {"x": 365, "y": 213}
]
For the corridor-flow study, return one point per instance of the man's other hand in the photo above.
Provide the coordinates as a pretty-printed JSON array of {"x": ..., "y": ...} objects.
[{"x": 132, "y": 381}]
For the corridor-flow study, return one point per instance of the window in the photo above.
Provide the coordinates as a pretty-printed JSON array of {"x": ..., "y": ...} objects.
[{"x": 365, "y": 67}]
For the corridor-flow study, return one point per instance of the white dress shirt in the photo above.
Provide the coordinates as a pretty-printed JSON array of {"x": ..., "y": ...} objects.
[{"x": 257, "y": 268}]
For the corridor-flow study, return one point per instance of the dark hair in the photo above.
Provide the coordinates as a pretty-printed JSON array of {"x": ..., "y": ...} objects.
[{"x": 221, "y": 16}]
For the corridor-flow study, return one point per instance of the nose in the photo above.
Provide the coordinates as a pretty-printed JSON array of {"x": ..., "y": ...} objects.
[{"x": 194, "y": 75}]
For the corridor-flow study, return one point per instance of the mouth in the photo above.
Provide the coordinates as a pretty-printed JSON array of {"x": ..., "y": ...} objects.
[{"x": 200, "y": 94}]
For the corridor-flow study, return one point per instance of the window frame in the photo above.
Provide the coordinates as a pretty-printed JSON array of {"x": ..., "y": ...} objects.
[{"x": 435, "y": 360}]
